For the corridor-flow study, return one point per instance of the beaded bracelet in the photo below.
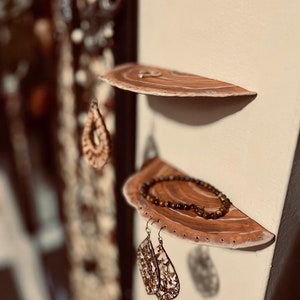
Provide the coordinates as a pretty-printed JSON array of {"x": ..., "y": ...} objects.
[{"x": 145, "y": 187}]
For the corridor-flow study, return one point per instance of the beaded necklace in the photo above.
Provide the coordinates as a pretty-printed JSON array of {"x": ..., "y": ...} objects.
[{"x": 199, "y": 210}]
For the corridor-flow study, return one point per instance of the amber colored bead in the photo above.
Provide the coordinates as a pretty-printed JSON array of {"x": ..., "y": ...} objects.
[
  {"x": 199, "y": 212},
  {"x": 219, "y": 213}
]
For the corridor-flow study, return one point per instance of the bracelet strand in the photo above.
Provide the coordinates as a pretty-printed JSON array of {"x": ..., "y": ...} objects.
[{"x": 200, "y": 211}]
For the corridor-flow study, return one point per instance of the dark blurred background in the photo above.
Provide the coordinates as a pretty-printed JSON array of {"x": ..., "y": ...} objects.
[{"x": 65, "y": 229}]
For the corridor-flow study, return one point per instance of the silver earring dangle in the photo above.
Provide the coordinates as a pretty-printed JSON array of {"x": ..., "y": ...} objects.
[
  {"x": 147, "y": 264},
  {"x": 169, "y": 282}
]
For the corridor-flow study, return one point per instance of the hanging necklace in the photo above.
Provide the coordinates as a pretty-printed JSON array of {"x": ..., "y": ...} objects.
[{"x": 200, "y": 211}]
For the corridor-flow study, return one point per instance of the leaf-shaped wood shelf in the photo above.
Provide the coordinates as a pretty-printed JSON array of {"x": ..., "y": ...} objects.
[
  {"x": 234, "y": 230},
  {"x": 163, "y": 82}
]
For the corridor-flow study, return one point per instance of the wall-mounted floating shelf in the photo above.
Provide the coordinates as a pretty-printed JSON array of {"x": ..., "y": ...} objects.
[
  {"x": 234, "y": 230},
  {"x": 163, "y": 82}
]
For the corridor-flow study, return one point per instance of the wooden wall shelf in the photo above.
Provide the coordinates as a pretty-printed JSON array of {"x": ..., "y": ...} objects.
[
  {"x": 163, "y": 82},
  {"x": 234, "y": 230}
]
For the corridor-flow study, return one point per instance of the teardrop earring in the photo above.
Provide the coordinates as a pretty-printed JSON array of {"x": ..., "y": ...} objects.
[
  {"x": 169, "y": 282},
  {"x": 147, "y": 264},
  {"x": 95, "y": 141}
]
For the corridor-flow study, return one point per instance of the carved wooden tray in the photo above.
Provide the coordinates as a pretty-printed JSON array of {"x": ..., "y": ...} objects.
[
  {"x": 163, "y": 82},
  {"x": 234, "y": 230}
]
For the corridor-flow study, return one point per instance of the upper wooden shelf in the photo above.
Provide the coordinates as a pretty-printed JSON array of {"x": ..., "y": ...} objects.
[{"x": 163, "y": 82}]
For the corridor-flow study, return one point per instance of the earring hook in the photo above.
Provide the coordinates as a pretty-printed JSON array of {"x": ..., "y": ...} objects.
[
  {"x": 147, "y": 226},
  {"x": 159, "y": 236}
]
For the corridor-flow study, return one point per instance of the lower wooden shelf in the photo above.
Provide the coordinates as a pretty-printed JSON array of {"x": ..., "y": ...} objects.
[{"x": 235, "y": 230}]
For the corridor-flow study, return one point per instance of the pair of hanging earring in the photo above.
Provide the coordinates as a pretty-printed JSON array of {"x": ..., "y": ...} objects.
[{"x": 157, "y": 271}]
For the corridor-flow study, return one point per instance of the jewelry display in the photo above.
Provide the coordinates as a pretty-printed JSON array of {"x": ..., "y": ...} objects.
[
  {"x": 199, "y": 210},
  {"x": 147, "y": 264},
  {"x": 192, "y": 209},
  {"x": 97, "y": 149}
]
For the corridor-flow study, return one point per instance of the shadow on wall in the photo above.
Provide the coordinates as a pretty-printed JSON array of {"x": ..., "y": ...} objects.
[
  {"x": 203, "y": 272},
  {"x": 199, "y": 110}
]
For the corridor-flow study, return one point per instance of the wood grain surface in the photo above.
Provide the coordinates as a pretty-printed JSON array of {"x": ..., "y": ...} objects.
[
  {"x": 234, "y": 230},
  {"x": 163, "y": 82}
]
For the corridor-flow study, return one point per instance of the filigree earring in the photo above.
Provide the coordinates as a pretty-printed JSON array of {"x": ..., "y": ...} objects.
[
  {"x": 147, "y": 264},
  {"x": 169, "y": 286},
  {"x": 95, "y": 141}
]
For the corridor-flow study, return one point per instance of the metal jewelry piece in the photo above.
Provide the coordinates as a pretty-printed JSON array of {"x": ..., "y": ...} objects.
[
  {"x": 144, "y": 74},
  {"x": 169, "y": 282},
  {"x": 96, "y": 147},
  {"x": 147, "y": 264}
]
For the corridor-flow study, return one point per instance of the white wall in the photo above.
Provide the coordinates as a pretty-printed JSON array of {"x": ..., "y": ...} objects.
[{"x": 244, "y": 149}]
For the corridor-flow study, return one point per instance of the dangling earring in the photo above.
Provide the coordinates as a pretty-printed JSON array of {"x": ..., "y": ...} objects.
[
  {"x": 147, "y": 264},
  {"x": 169, "y": 282},
  {"x": 96, "y": 148}
]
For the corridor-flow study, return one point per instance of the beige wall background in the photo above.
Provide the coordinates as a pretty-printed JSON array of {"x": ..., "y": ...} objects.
[{"x": 243, "y": 148}]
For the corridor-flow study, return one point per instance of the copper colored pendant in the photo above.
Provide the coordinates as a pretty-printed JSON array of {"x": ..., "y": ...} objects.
[
  {"x": 164, "y": 82},
  {"x": 95, "y": 141},
  {"x": 169, "y": 282},
  {"x": 148, "y": 266}
]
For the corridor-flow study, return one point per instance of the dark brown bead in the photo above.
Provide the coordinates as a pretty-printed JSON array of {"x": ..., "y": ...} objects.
[
  {"x": 213, "y": 215},
  {"x": 167, "y": 204},
  {"x": 161, "y": 203},
  {"x": 222, "y": 208},
  {"x": 206, "y": 215},
  {"x": 161, "y": 178},
  {"x": 150, "y": 182},
  {"x": 173, "y": 205},
  {"x": 156, "y": 201},
  {"x": 219, "y": 213},
  {"x": 217, "y": 192},
  {"x": 186, "y": 207},
  {"x": 179, "y": 206},
  {"x": 223, "y": 197},
  {"x": 199, "y": 212}
]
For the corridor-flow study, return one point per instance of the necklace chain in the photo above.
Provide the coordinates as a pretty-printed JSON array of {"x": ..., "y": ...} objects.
[{"x": 199, "y": 210}]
